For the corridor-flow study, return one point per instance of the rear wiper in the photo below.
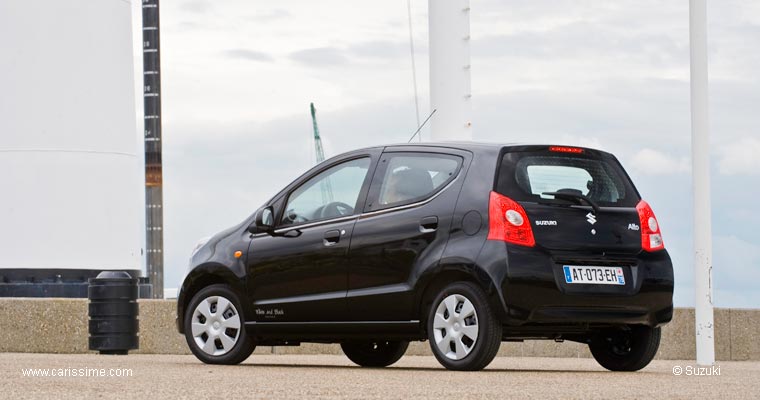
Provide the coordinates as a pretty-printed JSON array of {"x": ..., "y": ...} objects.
[{"x": 574, "y": 197}]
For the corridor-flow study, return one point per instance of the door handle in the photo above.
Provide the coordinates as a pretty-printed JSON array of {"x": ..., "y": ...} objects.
[
  {"x": 331, "y": 237},
  {"x": 429, "y": 224}
]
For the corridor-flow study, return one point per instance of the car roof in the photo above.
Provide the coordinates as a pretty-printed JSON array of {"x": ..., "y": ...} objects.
[
  {"x": 478, "y": 146},
  {"x": 462, "y": 145}
]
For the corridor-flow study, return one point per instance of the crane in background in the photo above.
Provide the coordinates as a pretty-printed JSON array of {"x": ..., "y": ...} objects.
[
  {"x": 317, "y": 140},
  {"x": 326, "y": 186}
]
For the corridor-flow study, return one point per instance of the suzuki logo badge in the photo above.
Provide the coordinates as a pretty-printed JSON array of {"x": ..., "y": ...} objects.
[{"x": 591, "y": 218}]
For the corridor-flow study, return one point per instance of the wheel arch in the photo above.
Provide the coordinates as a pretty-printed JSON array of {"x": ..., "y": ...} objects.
[
  {"x": 448, "y": 274},
  {"x": 202, "y": 277}
]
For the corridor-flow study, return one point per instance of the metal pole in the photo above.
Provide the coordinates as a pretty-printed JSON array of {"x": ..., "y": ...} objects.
[
  {"x": 154, "y": 215},
  {"x": 450, "y": 86},
  {"x": 414, "y": 66},
  {"x": 700, "y": 158}
]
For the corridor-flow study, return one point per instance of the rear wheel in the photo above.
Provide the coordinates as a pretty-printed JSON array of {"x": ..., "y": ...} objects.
[
  {"x": 626, "y": 349},
  {"x": 463, "y": 332},
  {"x": 215, "y": 328},
  {"x": 374, "y": 353}
]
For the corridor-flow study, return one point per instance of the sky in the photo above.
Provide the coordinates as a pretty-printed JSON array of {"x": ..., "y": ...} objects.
[{"x": 238, "y": 77}]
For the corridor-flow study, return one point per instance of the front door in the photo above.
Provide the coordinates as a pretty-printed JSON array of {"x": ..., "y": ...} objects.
[{"x": 299, "y": 274}]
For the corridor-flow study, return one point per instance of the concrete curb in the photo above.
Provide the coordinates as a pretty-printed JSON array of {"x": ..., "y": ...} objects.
[{"x": 33, "y": 325}]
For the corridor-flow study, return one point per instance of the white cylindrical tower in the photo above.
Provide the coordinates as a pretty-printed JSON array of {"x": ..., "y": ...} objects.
[
  {"x": 70, "y": 178},
  {"x": 450, "y": 87}
]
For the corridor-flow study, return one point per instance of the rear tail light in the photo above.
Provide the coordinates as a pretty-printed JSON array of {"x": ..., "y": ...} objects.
[
  {"x": 651, "y": 237},
  {"x": 507, "y": 221}
]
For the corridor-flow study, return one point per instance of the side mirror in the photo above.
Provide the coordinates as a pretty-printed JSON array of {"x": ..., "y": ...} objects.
[{"x": 264, "y": 221}]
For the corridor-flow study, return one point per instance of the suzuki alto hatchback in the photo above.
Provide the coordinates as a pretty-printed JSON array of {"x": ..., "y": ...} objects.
[{"x": 464, "y": 245}]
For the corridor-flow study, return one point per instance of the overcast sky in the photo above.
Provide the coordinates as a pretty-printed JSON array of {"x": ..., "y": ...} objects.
[{"x": 238, "y": 77}]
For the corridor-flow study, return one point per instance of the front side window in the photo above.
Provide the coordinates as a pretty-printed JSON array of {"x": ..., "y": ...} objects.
[
  {"x": 332, "y": 193},
  {"x": 410, "y": 177}
]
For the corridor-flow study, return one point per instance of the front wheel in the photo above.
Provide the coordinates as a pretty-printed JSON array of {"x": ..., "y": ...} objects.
[
  {"x": 215, "y": 328},
  {"x": 626, "y": 349},
  {"x": 374, "y": 353},
  {"x": 464, "y": 334}
]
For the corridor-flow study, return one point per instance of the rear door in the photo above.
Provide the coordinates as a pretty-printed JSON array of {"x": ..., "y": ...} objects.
[
  {"x": 563, "y": 226},
  {"x": 403, "y": 230}
]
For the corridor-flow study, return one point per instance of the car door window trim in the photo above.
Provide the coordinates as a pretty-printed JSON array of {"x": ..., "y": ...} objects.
[{"x": 315, "y": 223}]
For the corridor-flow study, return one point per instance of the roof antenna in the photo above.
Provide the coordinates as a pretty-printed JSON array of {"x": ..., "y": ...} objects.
[{"x": 423, "y": 124}]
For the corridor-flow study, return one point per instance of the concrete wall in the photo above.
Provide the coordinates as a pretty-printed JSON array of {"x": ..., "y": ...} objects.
[{"x": 60, "y": 326}]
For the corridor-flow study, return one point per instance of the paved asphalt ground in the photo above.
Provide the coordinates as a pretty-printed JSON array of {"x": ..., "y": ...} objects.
[{"x": 330, "y": 376}]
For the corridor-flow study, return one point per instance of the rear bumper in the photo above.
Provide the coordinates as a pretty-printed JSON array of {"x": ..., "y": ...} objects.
[
  {"x": 597, "y": 315},
  {"x": 534, "y": 292}
]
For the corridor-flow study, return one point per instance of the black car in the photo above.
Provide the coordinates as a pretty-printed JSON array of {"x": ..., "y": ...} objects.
[{"x": 465, "y": 245}]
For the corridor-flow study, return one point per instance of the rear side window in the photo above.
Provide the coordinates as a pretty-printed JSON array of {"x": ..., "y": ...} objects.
[
  {"x": 405, "y": 178},
  {"x": 525, "y": 176}
]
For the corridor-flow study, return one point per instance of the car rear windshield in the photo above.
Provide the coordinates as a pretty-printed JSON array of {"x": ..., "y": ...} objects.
[{"x": 526, "y": 175}]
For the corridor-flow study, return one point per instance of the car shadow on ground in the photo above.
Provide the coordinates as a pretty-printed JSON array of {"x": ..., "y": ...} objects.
[{"x": 441, "y": 369}]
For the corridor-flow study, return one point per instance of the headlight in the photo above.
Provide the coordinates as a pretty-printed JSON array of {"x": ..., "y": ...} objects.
[{"x": 199, "y": 245}]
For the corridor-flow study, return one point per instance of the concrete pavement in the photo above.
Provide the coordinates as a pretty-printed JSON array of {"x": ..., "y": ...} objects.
[{"x": 267, "y": 376}]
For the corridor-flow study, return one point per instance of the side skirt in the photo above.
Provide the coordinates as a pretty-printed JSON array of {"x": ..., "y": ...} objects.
[{"x": 332, "y": 332}]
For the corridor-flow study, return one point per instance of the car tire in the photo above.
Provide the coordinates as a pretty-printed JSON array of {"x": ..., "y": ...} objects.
[
  {"x": 629, "y": 349},
  {"x": 464, "y": 334},
  {"x": 375, "y": 354},
  {"x": 214, "y": 335}
]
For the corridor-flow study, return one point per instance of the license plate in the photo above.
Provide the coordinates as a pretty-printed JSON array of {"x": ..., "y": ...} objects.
[{"x": 594, "y": 275}]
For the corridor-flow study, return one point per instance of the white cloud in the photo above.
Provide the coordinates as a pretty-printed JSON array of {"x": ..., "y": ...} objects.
[
  {"x": 653, "y": 162},
  {"x": 735, "y": 271},
  {"x": 741, "y": 157},
  {"x": 247, "y": 54},
  {"x": 580, "y": 140}
]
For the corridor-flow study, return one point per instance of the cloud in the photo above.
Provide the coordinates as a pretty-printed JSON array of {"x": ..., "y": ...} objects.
[
  {"x": 196, "y": 6},
  {"x": 736, "y": 271},
  {"x": 740, "y": 158},
  {"x": 583, "y": 39},
  {"x": 246, "y": 54},
  {"x": 319, "y": 57},
  {"x": 373, "y": 50},
  {"x": 382, "y": 49},
  {"x": 652, "y": 162},
  {"x": 271, "y": 15}
]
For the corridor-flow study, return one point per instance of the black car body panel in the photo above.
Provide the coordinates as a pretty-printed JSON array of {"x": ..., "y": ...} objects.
[{"x": 375, "y": 279}]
